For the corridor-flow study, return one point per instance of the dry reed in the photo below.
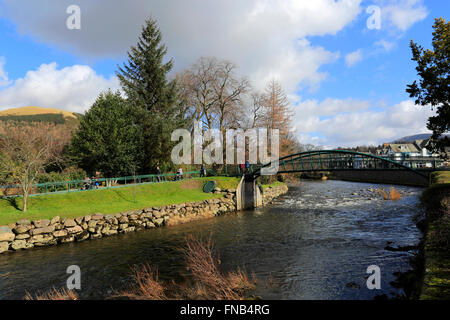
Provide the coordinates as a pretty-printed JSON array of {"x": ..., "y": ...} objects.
[{"x": 54, "y": 294}]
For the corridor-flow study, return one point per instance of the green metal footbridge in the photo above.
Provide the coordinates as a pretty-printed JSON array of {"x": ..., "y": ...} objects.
[{"x": 342, "y": 160}]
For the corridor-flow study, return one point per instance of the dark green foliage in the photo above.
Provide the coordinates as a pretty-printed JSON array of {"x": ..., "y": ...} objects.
[
  {"x": 433, "y": 67},
  {"x": 144, "y": 80},
  {"x": 46, "y": 117},
  {"x": 109, "y": 138}
]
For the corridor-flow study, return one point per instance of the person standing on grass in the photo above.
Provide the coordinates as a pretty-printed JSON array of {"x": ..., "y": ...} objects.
[
  {"x": 179, "y": 174},
  {"x": 158, "y": 173},
  {"x": 202, "y": 171}
]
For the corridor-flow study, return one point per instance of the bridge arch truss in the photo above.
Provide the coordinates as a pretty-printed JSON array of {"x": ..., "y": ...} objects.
[{"x": 336, "y": 160}]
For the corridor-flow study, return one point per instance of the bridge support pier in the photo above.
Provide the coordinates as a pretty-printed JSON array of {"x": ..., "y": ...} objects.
[{"x": 248, "y": 194}]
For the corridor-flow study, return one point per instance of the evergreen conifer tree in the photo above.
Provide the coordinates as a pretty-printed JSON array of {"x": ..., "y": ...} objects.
[{"x": 144, "y": 79}]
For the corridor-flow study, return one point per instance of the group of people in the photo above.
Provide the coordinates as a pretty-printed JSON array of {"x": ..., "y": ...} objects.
[
  {"x": 90, "y": 183},
  {"x": 244, "y": 168}
]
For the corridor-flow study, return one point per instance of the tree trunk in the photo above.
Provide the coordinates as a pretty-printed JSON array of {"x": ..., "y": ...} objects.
[{"x": 25, "y": 200}]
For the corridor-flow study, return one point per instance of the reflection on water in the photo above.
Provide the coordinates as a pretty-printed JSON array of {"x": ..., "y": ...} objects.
[{"x": 308, "y": 245}]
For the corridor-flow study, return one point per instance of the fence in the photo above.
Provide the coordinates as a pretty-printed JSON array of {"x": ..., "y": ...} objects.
[{"x": 15, "y": 190}]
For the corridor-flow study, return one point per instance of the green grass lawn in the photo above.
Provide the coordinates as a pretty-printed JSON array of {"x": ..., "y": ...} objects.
[
  {"x": 111, "y": 201},
  {"x": 275, "y": 184}
]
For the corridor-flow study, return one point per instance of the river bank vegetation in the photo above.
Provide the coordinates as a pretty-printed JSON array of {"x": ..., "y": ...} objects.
[
  {"x": 436, "y": 200},
  {"x": 206, "y": 281}
]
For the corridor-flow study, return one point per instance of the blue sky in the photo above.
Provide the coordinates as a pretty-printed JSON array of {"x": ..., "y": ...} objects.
[{"x": 346, "y": 82}]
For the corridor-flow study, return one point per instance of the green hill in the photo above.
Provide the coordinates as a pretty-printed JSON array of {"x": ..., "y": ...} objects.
[{"x": 37, "y": 114}]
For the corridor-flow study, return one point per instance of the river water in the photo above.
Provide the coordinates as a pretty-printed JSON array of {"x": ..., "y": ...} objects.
[{"x": 311, "y": 243}]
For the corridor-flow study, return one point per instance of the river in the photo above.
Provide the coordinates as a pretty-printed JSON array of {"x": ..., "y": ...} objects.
[{"x": 315, "y": 242}]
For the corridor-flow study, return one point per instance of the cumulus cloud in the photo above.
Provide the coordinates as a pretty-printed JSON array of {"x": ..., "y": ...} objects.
[
  {"x": 386, "y": 45},
  {"x": 353, "y": 58},
  {"x": 261, "y": 36},
  {"x": 4, "y": 79},
  {"x": 402, "y": 14},
  {"x": 72, "y": 88},
  {"x": 352, "y": 122}
]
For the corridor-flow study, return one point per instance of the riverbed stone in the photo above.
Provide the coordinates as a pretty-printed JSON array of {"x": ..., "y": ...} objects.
[
  {"x": 110, "y": 232},
  {"x": 158, "y": 222},
  {"x": 69, "y": 223},
  {"x": 60, "y": 233},
  {"x": 67, "y": 239},
  {"x": 133, "y": 216},
  {"x": 157, "y": 214},
  {"x": 92, "y": 224},
  {"x": 6, "y": 234},
  {"x": 21, "y": 244},
  {"x": 79, "y": 220},
  {"x": 97, "y": 216},
  {"x": 129, "y": 229},
  {"x": 55, "y": 220},
  {"x": 41, "y": 223},
  {"x": 24, "y": 221},
  {"x": 123, "y": 219},
  {"x": 37, "y": 231},
  {"x": 74, "y": 230},
  {"x": 4, "y": 246},
  {"x": 22, "y": 236},
  {"x": 21, "y": 228},
  {"x": 43, "y": 240},
  {"x": 82, "y": 236}
]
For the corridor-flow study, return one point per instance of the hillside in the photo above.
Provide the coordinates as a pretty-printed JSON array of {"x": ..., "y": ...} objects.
[
  {"x": 38, "y": 114},
  {"x": 410, "y": 139},
  {"x": 413, "y": 138}
]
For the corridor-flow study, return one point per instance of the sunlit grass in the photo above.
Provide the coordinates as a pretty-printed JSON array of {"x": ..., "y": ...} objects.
[{"x": 111, "y": 201}]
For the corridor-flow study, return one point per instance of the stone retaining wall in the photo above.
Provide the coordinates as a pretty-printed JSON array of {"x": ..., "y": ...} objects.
[
  {"x": 271, "y": 193},
  {"x": 26, "y": 234}
]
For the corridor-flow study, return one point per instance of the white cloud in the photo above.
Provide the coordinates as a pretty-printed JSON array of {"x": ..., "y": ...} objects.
[
  {"x": 386, "y": 45},
  {"x": 260, "y": 36},
  {"x": 402, "y": 14},
  {"x": 72, "y": 88},
  {"x": 353, "y": 58},
  {"x": 352, "y": 122},
  {"x": 4, "y": 79}
]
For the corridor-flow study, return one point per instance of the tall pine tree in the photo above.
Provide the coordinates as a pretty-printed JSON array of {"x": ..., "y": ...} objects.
[{"x": 144, "y": 80}]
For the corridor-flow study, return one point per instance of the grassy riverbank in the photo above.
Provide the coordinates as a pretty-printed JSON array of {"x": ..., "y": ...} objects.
[
  {"x": 436, "y": 199},
  {"x": 275, "y": 184},
  {"x": 110, "y": 201}
]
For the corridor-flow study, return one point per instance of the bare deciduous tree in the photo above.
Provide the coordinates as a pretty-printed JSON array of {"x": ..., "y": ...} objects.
[
  {"x": 26, "y": 151},
  {"x": 214, "y": 92}
]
